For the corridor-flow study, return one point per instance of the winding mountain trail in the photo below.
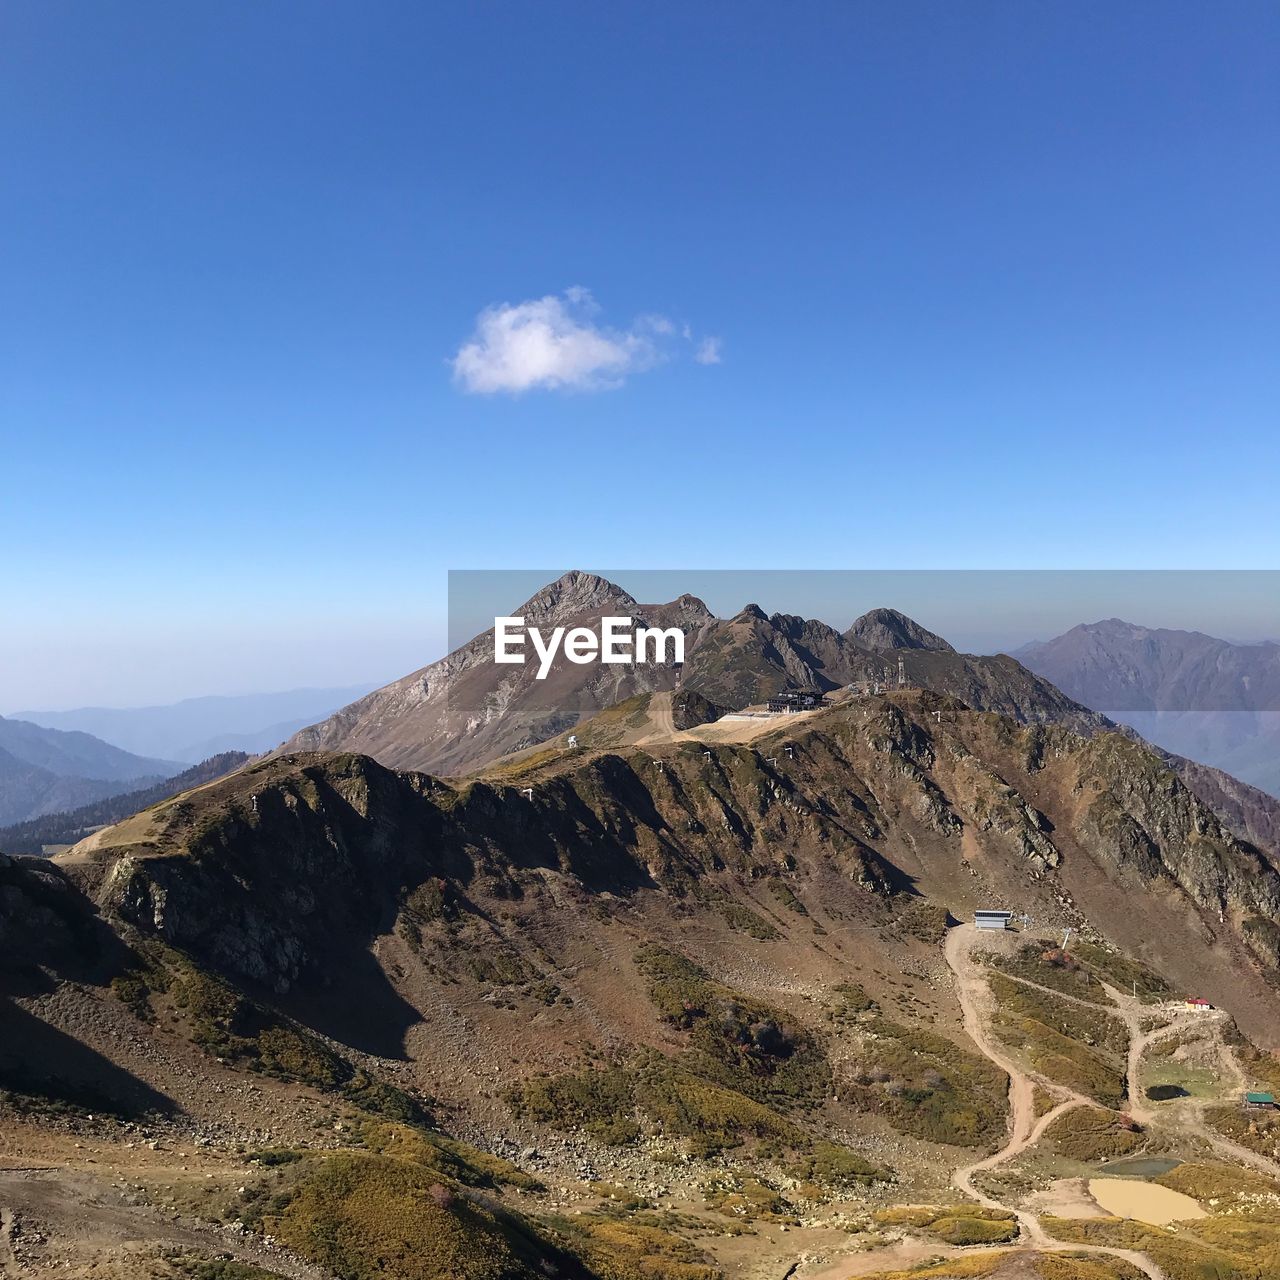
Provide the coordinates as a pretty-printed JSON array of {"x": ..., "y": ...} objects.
[{"x": 1024, "y": 1129}]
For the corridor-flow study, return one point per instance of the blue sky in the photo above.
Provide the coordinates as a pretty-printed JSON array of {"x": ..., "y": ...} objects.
[{"x": 993, "y": 285}]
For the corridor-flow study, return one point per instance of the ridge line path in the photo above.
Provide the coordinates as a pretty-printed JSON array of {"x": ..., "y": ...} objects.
[{"x": 1024, "y": 1129}]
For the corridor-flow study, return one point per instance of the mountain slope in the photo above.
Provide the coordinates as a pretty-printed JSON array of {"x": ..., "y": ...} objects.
[
  {"x": 28, "y": 791},
  {"x": 44, "y": 771},
  {"x": 878, "y": 791},
  {"x": 467, "y": 708},
  {"x": 1135, "y": 668},
  {"x": 1209, "y": 699}
]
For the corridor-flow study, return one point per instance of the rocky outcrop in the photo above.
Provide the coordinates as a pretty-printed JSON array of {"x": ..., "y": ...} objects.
[
  {"x": 1141, "y": 817},
  {"x": 1251, "y": 815},
  {"x": 689, "y": 708},
  {"x": 45, "y": 921},
  {"x": 279, "y": 867}
]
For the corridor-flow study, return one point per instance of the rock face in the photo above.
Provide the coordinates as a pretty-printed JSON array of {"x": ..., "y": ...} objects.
[
  {"x": 1251, "y": 814},
  {"x": 281, "y": 872},
  {"x": 689, "y": 708},
  {"x": 1141, "y": 817},
  {"x": 466, "y": 710},
  {"x": 44, "y": 919}
]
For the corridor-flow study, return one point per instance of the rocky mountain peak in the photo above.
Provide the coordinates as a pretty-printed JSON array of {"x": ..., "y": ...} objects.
[
  {"x": 573, "y": 594},
  {"x": 889, "y": 629},
  {"x": 691, "y": 608}
]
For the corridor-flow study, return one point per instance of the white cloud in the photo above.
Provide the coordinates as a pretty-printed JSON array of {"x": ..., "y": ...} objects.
[
  {"x": 658, "y": 324},
  {"x": 557, "y": 343},
  {"x": 554, "y": 343},
  {"x": 708, "y": 351}
]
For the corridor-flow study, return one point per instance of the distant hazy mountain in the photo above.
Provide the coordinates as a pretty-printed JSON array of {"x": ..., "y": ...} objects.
[
  {"x": 253, "y": 744},
  {"x": 45, "y": 770},
  {"x": 60, "y": 826},
  {"x": 197, "y": 728},
  {"x": 28, "y": 791},
  {"x": 1209, "y": 699},
  {"x": 77, "y": 755}
]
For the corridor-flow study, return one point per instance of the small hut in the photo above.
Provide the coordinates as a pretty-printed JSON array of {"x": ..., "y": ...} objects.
[{"x": 990, "y": 919}]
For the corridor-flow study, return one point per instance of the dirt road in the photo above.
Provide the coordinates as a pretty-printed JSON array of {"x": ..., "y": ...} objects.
[{"x": 1024, "y": 1129}]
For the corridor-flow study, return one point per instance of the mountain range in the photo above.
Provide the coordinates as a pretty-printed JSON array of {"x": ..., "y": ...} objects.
[
  {"x": 197, "y": 728},
  {"x": 45, "y": 770},
  {"x": 1215, "y": 701},
  {"x": 682, "y": 998},
  {"x": 466, "y": 710}
]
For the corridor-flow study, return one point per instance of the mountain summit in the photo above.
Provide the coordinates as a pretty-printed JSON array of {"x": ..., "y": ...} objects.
[
  {"x": 571, "y": 595},
  {"x": 466, "y": 709},
  {"x": 889, "y": 629}
]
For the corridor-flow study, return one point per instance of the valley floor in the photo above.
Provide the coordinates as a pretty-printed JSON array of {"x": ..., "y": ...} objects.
[{"x": 79, "y": 1207}]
